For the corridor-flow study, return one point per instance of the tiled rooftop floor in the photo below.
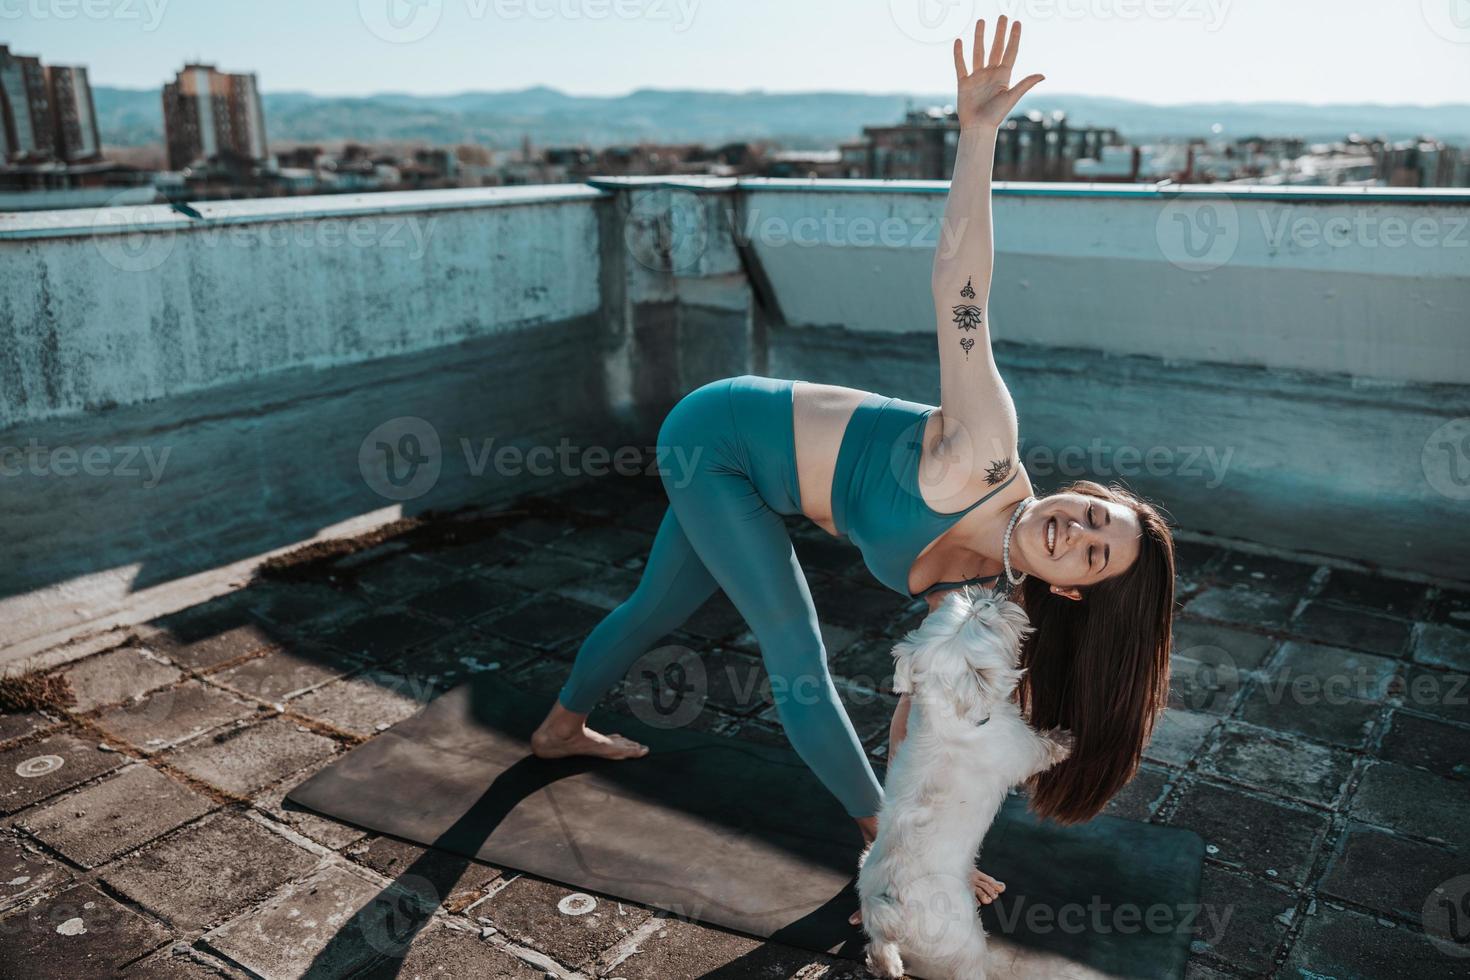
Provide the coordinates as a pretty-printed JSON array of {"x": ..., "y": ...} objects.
[{"x": 1318, "y": 742}]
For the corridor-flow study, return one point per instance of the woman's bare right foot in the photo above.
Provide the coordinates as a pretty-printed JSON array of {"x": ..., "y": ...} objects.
[{"x": 565, "y": 733}]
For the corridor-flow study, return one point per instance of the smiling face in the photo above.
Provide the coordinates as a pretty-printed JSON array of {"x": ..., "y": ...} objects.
[{"x": 1073, "y": 540}]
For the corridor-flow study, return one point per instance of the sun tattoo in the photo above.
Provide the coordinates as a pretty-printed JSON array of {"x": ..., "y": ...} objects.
[{"x": 997, "y": 471}]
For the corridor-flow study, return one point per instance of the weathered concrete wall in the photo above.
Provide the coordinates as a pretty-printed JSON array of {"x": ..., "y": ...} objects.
[
  {"x": 1366, "y": 284},
  {"x": 123, "y": 306}
]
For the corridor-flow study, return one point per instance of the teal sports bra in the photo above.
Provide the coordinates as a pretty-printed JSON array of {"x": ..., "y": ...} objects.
[{"x": 876, "y": 502}]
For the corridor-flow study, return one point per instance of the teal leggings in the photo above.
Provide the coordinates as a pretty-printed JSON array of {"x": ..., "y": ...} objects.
[{"x": 728, "y": 463}]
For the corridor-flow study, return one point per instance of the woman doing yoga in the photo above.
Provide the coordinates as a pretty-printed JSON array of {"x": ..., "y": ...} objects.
[{"x": 935, "y": 498}]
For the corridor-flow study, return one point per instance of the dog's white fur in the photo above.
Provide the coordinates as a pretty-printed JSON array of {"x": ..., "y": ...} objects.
[{"x": 945, "y": 784}]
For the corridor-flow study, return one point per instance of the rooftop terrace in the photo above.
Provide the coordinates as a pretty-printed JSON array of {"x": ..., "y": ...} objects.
[{"x": 184, "y": 399}]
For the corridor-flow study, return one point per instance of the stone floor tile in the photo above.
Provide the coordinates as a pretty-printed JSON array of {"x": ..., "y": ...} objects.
[
  {"x": 37, "y": 770},
  {"x": 179, "y": 961},
  {"x": 538, "y": 530},
  {"x": 325, "y": 831},
  {"x": 461, "y": 655},
  {"x": 302, "y": 608},
  {"x": 1285, "y": 767},
  {"x": 1314, "y": 670},
  {"x": 1178, "y": 736},
  {"x": 820, "y": 552},
  {"x": 440, "y": 951},
  {"x": 1442, "y": 749},
  {"x": 79, "y": 932},
  {"x": 602, "y": 544},
  {"x": 1413, "y": 801},
  {"x": 483, "y": 553},
  {"x": 244, "y": 760},
  {"x": 209, "y": 870},
  {"x": 124, "y": 811},
  {"x": 1247, "y": 607},
  {"x": 546, "y": 622},
  {"x": 328, "y": 924},
  {"x": 455, "y": 880},
  {"x": 117, "y": 676},
  {"x": 366, "y": 703},
  {"x": 606, "y": 590},
  {"x": 1442, "y": 693},
  {"x": 285, "y": 674},
  {"x": 1395, "y": 597},
  {"x": 684, "y": 950},
  {"x": 210, "y": 650},
  {"x": 1264, "y": 572},
  {"x": 1245, "y": 832},
  {"x": 1243, "y": 649},
  {"x": 1450, "y": 607},
  {"x": 1339, "y": 943},
  {"x": 1442, "y": 646},
  {"x": 172, "y": 715},
  {"x": 25, "y": 871},
  {"x": 716, "y": 620},
  {"x": 383, "y": 635},
  {"x": 1358, "y": 629},
  {"x": 1389, "y": 874},
  {"x": 19, "y": 724},
  {"x": 853, "y": 603},
  {"x": 1242, "y": 920},
  {"x": 1141, "y": 797},
  {"x": 541, "y": 569},
  {"x": 1339, "y": 720},
  {"x": 472, "y": 597},
  {"x": 397, "y": 578},
  {"x": 566, "y": 926}
]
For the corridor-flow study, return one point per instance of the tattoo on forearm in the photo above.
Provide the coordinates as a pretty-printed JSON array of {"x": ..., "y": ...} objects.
[
  {"x": 968, "y": 316},
  {"x": 997, "y": 471}
]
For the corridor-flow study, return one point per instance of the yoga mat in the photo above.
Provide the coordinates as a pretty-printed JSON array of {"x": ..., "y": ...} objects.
[{"x": 744, "y": 836}]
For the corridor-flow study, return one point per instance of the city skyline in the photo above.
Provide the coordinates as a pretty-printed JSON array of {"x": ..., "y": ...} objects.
[{"x": 1165, "y": 52}]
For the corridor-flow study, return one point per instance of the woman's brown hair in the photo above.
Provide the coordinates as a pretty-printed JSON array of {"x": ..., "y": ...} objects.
[{"x": 1100, "y": 667}]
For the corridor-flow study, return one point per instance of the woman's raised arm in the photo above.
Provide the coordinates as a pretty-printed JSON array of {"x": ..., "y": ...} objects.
[{"x": 965, "y": 255}]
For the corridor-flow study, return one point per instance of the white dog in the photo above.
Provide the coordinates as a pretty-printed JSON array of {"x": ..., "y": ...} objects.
[{"x": 966, "y": 746}]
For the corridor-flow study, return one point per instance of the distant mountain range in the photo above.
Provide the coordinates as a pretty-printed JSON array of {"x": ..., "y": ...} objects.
[{"x": 799, "y": 120}]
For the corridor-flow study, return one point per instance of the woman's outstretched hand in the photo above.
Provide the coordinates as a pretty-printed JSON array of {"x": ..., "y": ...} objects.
[{"x": 985, "y": 94}]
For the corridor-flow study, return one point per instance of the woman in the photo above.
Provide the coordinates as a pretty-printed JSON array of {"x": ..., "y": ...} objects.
[{"x": 935, "y": 498}]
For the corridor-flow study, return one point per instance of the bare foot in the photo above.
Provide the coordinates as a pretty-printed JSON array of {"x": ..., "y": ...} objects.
[{"x": 548, "y": 743}]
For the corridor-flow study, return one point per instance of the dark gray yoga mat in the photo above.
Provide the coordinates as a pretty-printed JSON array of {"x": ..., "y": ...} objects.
[{"x": 744, "y": 836}]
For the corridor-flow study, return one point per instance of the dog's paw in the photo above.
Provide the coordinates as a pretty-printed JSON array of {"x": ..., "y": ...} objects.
[{"x": 1059, "y": 744}]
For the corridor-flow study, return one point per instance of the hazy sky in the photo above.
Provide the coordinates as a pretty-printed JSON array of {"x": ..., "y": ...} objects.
[{"x": 1164, "y": 51}]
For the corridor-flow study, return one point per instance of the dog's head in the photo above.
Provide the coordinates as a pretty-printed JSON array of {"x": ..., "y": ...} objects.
[{"x": 964, "y": 653}]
